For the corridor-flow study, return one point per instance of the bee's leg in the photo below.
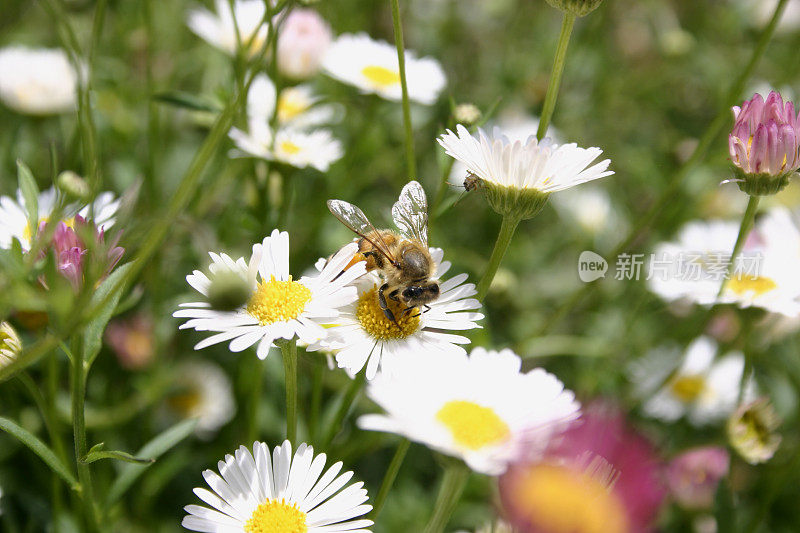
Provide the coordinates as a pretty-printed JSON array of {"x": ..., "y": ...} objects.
[
  {"x": 385, "y": 306},
  {"x": 426, "y": 306}
]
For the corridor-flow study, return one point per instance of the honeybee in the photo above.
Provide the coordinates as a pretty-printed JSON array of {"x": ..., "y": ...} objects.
[{"x": 401, "y": 258}]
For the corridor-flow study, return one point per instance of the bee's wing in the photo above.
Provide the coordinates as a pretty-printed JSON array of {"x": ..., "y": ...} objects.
[
  {"x": 355, "y": 219},
  {"x": 410, "y": 212}
]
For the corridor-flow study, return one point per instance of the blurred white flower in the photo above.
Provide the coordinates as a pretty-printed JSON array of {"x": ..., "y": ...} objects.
[
  {"x": 702, "y": 388},
  {"x": 298, "y": 106},
  {"x": 589, "y": 206},
  {"x": 256, "y": 493},
  {"x": 219, "y": 30},
  {"x": 205, "y": 393},
  {"x": 302, "y": 42},
  {"x": 299, "y": 149},
  {"x": 762, "y": 11},
  {"x": 279, "y": 308},
  {"x": 363, "y": 336},
  {"x": 14, "y": 215},
  {"x": 694, "y": 266},
  {"x": 37, "y": 81},
  {"x": 480, "y": 408},
  {"x": 372, "y": 67}
]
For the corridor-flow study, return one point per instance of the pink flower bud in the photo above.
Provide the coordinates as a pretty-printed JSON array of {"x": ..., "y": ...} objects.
[
  {"x": 70, "y": 250},
  {"x": 303, "y": 40}
]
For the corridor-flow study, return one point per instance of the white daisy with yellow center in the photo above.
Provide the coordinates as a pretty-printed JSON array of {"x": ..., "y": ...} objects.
[
  {"x": 37, "y": 81},
  {"x": 480, "y": 408},
  {"x": 372, "y": 67},
  {"x": 219, "y": 29},
  {"x": 14, "y": 215},
  {"x": 540, "y": 166},
  {"x": 279, "y": 307},
  {"x": 10, "y": 344},
  {"x": 256, "y": 493},
  {"x": 693, "y": 267},
  {"x": 204, "y": 392},
  {"x": 363, "y": 336},
  {"x": 699, "y": 387},
  {"x": 298, "y": 106}
]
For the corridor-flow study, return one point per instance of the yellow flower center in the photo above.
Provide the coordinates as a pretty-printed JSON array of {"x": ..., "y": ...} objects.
[
  {"x": 688, "y": 388},
  {"x": 290, "y": 148},
  {"x": 187, "y": 402},
  {"x": 757, "y": 284},
  {"x": 381, "y": 77},
  {"x": 278, "y": 301},
  {"x": 275, "y": 516},
  {"x": 473, "y": 426},
  {"x": 291, "y": 104},
  {"x": 560, "y": 499},
  {"x": 374, "y": 322}
]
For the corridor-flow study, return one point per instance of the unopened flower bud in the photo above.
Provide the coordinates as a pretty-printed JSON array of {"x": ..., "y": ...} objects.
[
  {"x": 302, "y": 42},
  {"x": 764, "y": 144},
  {"x": 228, "y": 291},
  {"x": 467, "y": 114},
  {"x": 10, "y": 345},
  {"x": 576, "y": 7},
  {"x": 73, "y": 185},
  {"x": 752, "y": 431}
]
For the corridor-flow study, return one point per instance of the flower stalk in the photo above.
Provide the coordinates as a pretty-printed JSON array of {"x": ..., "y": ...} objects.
[
  {"x": 453, "y": 483},
  {"x": 744, "y": 230},
  {"x": 389, "y": 477},
  {"x": 507, "y": 228},
  {"x": 355, "y": 386},
  {"x": 567, "y": 23},
  {"x": 289, "y": 353},
  {"x": 78, "y": 384},
  {"x": 411, "y": 165}
]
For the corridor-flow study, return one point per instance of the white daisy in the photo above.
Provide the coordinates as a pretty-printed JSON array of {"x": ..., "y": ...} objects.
[
  {"x": 298, "y": 106},
  {"x": 256, "y": 493},
  {"x": 701, "y": 388},
  {"x": 280, "y": 307},
  {"x": 372, "y": 67},
  {"x": 543, "y": 166},
  {"x": 694, "y": 267},
  {"x": 363, "y": 336},
  {"x": 218, "y": 29},
  {"x": 318, "y": 149},
  {"x": 37, "y": 81},
  {"x": 14, "y": 215},
  {"x": 204, "y": 392},
  {"x": 480, "y": 407},
  {"x": 10, "y": 345}
]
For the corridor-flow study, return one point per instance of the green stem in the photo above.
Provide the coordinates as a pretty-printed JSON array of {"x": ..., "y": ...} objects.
[
  {"x": 153, "y": 134},
  {"x": 289, "y": 353},
  {"x": 507, "y": 228},
  {"x": 356, "y": 384},
  {"x": 453, "y": 483},
  {"x": 78, "y": 384},
  {"x": 744, "y": 230},
  {"x": 401, "y": 62},
  {"x": 437, "y": 201},
  {"x": 389, "y": 477},
  {"x": 257, "y": 375},
  {"x": 567, "y": 24},
  {"x": 708, "y": 137}
]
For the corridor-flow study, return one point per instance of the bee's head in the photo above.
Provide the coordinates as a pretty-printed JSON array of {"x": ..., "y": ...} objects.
[{"x": 420, "y": 294}]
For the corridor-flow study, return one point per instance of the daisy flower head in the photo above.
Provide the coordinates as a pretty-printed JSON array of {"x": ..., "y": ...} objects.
[
  {"x": 693, "y": 267},
  {"x": 699, "y": 387},
  {"x": 10, "y": 344},
  {"x": 259, "y": 492},
  {"x": 317, "y": 149},
  {"x": 204, "y": 392},
  {"x": 279, "y": 307},
  {"x": 37, "y": 81},
  {"x": 219, "y": 29},
  {"x": 519, "y": 176},
  {"x": 364, "y": 336},
  {"x": 14, "y": 215},
  {"x": 764, "y": 144},
  {"x": 478, "y": 407},
  {"x": 298, "y": 106},
  {"x": 372, "y": 67}
]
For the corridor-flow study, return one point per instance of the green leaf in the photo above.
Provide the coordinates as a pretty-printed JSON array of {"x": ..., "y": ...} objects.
[
  {"x": 97, "y": 452},
  {"x": 30, "y": 193},
  {"x": 188, "y": 101},
  {"x": 93, "y": 332},
  {"x": 155, "y": 448},
  {"x": 39, "y": 448}
]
